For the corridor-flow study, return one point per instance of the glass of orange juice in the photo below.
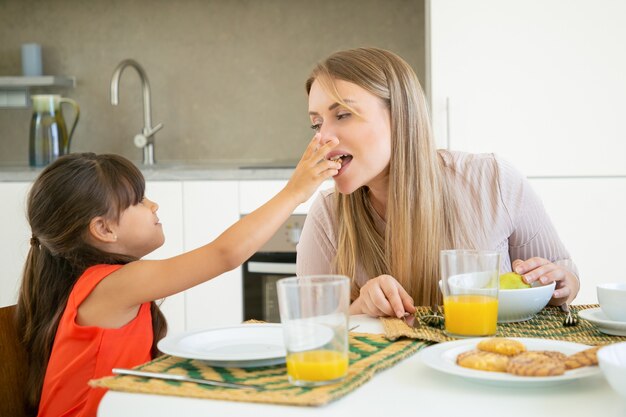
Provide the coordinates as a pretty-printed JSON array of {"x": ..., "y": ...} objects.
[
  {"x": 314, "y": 315},
  {"x": 469, "y": 281}
]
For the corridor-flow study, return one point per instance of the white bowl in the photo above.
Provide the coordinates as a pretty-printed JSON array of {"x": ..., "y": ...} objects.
[
  {"x": 522, "y": 304},
  {"x": 612, "y": 361}
]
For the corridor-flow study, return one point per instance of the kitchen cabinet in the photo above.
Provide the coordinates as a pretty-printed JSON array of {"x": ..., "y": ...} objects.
[
  {"x": 169, "y": 196},
  {"x": 253, "y": 194},
  {"x": 210, "y": 207},
  {"x": 539, "y": 82},
  {"x": 14, "y": 238},
  {"x": 589, "y": 215},
  {"x": 542, "y": 85}
]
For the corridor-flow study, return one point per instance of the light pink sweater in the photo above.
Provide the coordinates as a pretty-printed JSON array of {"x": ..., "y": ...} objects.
[{"x": 506, "y": 207}]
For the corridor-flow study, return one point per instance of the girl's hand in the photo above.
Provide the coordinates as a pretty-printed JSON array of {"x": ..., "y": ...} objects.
[
  {"x": 544, "y": 271},
  {"x": 312, "y": 169},
  {"x": 383, "y": 296}
]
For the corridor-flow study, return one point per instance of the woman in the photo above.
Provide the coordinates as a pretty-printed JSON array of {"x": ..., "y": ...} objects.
[{"x": 398, "y": 201}]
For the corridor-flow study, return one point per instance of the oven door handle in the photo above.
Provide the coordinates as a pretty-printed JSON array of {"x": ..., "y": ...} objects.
[{"x": 271, "y": 268}]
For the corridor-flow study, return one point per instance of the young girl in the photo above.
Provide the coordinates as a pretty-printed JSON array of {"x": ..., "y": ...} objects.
[{"x": 86, "y": 304}]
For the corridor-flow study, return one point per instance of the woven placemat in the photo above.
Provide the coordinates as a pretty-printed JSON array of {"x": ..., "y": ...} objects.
[
  {"x": 547, "y": 324},
  {"x": 369, "y": 353}
]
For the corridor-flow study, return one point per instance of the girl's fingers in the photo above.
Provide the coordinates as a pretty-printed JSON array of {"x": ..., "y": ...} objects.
[{"x": 312, "y": 147}]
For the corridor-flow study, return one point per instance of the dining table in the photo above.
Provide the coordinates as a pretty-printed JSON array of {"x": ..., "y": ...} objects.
[{"x": 409, "y": 388}]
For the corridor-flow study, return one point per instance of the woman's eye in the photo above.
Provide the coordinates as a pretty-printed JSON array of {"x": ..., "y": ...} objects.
[
  {"x": 316, "y": 126},
  {"x": 342, "y": 116}
]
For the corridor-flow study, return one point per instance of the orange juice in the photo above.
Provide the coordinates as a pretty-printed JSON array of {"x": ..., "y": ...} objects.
[
  {"x": 471, "y": 315},
  {"x": 317, "y": 365}
]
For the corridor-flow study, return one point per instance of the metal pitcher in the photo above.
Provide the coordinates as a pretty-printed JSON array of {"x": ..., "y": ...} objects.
[{"x": 48, "y": 131}]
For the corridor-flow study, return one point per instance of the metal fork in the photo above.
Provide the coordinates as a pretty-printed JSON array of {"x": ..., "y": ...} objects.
[
  {"x": 434, "y": 319},
  {"x": 570, "y": 320}
]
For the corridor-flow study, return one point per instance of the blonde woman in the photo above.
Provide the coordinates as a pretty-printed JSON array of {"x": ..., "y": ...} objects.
[{"x": 398, "y": 201}]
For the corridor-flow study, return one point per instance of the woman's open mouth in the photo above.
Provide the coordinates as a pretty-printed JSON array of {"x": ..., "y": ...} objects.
[{"x": 344, "y": 159}]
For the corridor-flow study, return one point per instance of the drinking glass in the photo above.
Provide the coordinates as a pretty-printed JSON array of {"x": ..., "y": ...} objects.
[
  {"x": 470, "y": 280},
  {"x": 314, "y": 314}
]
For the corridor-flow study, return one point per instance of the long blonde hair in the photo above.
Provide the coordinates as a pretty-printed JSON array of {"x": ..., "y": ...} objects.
[{"x": 421, "y": 212}]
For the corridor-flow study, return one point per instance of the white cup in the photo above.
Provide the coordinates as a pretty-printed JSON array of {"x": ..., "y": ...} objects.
[
  {"x": 612, "y": 299},
  {"x": 31, "y": 59}
]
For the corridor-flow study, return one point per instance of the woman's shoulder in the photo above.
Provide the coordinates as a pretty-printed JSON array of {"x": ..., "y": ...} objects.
[
  {"x": 325, "y": 202},
  {"x": 468, "y": 164}
]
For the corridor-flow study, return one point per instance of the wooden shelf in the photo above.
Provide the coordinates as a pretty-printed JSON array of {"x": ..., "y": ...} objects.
[{"x": 15, "y": 91}]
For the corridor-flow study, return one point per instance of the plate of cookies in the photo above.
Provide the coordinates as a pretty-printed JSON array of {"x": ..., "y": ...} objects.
[{"x": 514, "y": 361}]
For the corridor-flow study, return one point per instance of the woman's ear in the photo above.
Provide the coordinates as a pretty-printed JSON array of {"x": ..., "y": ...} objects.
[{"x": 100, "y": 230}]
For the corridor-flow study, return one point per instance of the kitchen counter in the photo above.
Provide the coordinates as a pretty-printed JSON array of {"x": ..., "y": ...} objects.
[{"x": 228, "y": 171}]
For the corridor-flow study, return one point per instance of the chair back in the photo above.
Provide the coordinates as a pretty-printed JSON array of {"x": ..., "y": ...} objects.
[{"x": 13, "y": 367}]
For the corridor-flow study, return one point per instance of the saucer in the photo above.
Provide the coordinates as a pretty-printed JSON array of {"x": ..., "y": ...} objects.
[{"x": 602, "y": 322}]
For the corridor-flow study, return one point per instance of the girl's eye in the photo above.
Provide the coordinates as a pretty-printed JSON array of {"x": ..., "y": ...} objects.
[
  {"x": 316, "y": 126},
  {"x": 342, "y": 116}
]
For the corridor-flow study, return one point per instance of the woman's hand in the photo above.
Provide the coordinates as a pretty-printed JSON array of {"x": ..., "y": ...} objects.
[
  {"x": 383, "y": 296},
  {"x": 544, "y": 271},
  {"x": 312, "y": 169}
]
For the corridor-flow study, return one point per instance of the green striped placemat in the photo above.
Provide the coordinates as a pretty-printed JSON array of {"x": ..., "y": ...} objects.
[
  {"x": 547, "y": 324},
  {"x": 369, "y": 353}
]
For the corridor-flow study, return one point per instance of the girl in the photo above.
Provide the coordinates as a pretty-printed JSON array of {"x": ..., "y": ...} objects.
[
  {"x": 398, "y": 201},
  {"x": 86, "y": 304}
]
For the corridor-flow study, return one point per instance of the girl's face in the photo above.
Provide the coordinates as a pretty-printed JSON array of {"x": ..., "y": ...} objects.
[
  {"x": 365, "y": 140},
  {"x": 138, "y": 230}
]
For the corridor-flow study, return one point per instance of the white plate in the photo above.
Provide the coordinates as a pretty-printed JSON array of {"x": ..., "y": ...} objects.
[
  {"x": 442, "y": 357},
  {"x": 602, "y": 322},
  {"x": 243, "y": 346}
]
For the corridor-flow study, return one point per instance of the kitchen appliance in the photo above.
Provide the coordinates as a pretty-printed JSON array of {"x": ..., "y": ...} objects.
[
  {"x": 48, "y": 133},
  {"x": 275, "y": 260}
]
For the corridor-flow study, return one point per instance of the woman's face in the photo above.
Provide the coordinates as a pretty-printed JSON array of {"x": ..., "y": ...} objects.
[{"x": 364, "y": 141}]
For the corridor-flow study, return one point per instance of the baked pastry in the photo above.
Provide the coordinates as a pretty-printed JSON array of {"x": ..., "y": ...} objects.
[
  {"x": 502, "y": 346},
  {"x": 483, "y": 361},
  {"x": 553, "y": 354},
  {"x": 535, "y": 363},
  {"x": 587, "y": 357}
]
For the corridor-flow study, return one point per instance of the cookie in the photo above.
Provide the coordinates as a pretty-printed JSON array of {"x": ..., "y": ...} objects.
[
  {"x": 501, "y": 346},
  {"x": 587, "y": 357},
  {"x": 535, "y": 363},
  {"x": 553, "y": 354},
  {"x": 483, "y": 361}
]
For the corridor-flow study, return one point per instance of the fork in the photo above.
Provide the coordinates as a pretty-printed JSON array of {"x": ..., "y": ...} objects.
[
  {"x": 569, "y": 320},
  {"x": 434, "y": 319}
]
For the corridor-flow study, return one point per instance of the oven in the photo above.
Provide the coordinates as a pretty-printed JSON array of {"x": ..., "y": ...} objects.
[{"x": 275, "y": 260}]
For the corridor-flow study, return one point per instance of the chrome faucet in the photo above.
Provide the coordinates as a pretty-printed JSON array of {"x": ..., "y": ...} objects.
[{"x": 145, "y": 139}]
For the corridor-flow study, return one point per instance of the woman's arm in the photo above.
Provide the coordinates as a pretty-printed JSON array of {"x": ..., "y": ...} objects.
[{"x": 534, "y": 246}]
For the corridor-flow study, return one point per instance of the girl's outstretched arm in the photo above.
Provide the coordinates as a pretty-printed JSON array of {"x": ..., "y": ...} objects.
[{"x": 114, "y": 302}]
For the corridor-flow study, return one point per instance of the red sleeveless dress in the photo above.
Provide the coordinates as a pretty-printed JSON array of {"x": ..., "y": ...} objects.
[{"x": 82, "y": 353}]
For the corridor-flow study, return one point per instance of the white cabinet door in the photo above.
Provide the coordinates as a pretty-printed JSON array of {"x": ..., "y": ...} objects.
[
  {"x": 590, "y": 218},
  {"x": 253, "y": 194},
  {"x": 541, "y": 83},
  {"x": 14, "y": 238},
  {"x": 210, "y": 207},
  {"x": 169, "y": 196}
]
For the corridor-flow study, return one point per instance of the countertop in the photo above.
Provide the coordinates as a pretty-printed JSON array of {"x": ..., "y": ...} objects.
[{"x": 196, "y": 171}]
